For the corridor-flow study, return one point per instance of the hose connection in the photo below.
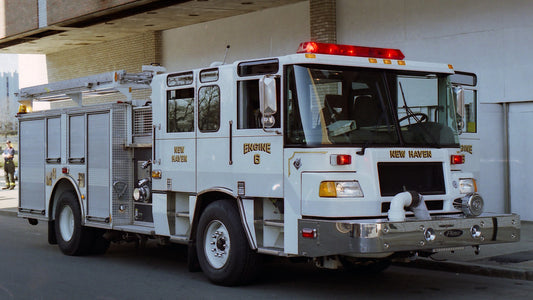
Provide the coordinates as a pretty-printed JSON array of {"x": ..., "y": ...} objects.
[{"x": 410, "y": 201}]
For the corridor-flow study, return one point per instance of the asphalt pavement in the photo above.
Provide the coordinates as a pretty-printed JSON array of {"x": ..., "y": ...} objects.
[{"x": 510, "y": 260}]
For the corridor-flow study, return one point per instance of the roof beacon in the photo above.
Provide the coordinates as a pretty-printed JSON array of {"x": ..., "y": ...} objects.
[{"x": 349, "y": 50}]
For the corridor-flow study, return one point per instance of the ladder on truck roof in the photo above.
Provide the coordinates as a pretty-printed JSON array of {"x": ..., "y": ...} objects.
[{"x": 93, "y": 85}]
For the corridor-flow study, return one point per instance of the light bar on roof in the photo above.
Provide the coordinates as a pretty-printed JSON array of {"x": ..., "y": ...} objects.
[{"x": 349, "y": 50}]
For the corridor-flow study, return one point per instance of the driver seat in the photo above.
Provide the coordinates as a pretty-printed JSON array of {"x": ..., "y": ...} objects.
[
  {"x": 335, "y": 108},
  {"x": 366, "y": 111}
]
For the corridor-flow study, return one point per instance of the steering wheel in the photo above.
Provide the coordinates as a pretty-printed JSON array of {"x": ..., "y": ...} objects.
[{"x": 423, "y": 117}]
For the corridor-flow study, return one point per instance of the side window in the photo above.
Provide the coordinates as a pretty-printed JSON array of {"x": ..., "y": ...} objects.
[
  {"x": 180, "y": 110},
  {"x": 248, "y": 113},
  {"x": 470, "y": 120},
  {"x": 209, "y": 108}
]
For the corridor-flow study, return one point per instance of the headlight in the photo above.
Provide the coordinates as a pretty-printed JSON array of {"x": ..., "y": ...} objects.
[
  {"x": 344, "y": 189},
  {"x": 467, "y": 186},
  {"x": 136, "y": 194},
  {"x": 142, "y": 193}
]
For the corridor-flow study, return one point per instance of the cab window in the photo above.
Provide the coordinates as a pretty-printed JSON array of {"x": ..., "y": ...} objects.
[
  {"x": 209, "y": 108},
  {"x": 180, "y": 110},
  {"x": 248, "y": 112}
]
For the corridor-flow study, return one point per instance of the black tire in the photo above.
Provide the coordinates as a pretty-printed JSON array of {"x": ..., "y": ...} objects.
[
  {"x": 365, "y": 266},
  {"x": 72, "y": 238},
  {"x": 220, "y": 228}
]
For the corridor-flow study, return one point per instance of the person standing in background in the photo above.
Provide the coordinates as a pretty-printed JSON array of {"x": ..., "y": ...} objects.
[{"x": 9, "y": 166}]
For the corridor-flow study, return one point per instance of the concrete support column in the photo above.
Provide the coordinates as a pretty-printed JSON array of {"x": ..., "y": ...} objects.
[{"x": 323, "y": 20}]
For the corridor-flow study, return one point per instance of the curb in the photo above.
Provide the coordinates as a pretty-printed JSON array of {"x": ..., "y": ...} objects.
[{"x": 470, "y": 268}]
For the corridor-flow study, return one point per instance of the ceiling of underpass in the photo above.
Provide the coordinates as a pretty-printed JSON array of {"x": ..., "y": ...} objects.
[{"x": 113, "y": 24}]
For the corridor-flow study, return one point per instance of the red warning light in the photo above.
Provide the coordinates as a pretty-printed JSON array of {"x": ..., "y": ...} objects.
[
  {"x": 457, "y": 159},
  {"x": 349, "y": 50}
]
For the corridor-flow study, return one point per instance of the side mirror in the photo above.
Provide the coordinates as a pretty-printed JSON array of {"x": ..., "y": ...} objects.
[
  {"x": 268, "y": 99},
  {"x": 459, "y": 95}
]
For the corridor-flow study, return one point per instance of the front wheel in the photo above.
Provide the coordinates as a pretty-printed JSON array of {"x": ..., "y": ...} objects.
[{"x": 222, "y": 247}]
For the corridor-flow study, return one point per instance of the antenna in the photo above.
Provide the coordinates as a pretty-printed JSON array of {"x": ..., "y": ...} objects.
[
  {"x": 225, "y": 54},
  {"x": 218, "y": 63}
]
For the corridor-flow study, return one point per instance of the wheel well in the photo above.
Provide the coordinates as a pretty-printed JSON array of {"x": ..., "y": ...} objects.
[
  {"x": 202, "y": 201},
  {"x": 61, "y": 186}
]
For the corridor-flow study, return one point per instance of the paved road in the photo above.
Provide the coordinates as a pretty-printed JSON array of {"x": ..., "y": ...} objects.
[{"x": 32, "y": 269}]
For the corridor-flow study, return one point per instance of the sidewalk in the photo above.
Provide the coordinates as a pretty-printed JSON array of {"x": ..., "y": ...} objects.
[
  {"x": 8, "y": 199},
  {"x": 512, "y": 260}
]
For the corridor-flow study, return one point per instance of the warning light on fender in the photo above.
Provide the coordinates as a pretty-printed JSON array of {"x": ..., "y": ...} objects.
[
  {"x": 156, "y": 174},
  {"x": 457, "y": 159},
  {"x": 340, "y": 159},
  {"x": 309, "y": 233}
]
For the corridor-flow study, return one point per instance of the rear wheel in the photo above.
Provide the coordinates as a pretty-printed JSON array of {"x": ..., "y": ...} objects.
[
  {"x": 72, "y": 237},
  {"x": 222, "y": 247}
]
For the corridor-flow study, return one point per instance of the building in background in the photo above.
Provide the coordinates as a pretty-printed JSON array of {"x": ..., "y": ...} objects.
[{"x": 9, "y": 85}]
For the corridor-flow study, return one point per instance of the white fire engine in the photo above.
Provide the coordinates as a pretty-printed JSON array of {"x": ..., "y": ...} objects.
[{"x": 344, "y": 155}]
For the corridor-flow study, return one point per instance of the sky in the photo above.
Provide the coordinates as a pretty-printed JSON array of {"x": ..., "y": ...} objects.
[{"x": 31, "y": 68}]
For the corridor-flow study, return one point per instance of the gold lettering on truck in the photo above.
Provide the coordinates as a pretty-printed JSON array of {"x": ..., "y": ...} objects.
[
  {"x": 420, "y": 154},
  {"x": 397, "y": 154},
  {"x": 249, "y": 147},
  {"x": 410, "y": 153},
  {"x": 178, "y": 155},
  {"x": 466, "y": 148}
]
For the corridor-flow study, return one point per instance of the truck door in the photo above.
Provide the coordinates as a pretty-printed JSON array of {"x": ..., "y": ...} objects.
[
  {"x": 214, "y": 105},
  {"x": 258, "y": 152},
  {"x": 175, "y": 135},
  {"x": 32, "y": 158},
  {"x": 98, "y": 161},
  {"x": 233, "y": 148}
]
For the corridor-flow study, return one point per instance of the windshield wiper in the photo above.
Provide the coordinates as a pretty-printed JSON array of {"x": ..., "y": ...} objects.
[{"x": 408, "y": 111}]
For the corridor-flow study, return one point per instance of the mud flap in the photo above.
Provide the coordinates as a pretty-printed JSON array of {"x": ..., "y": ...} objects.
[
  {"x": 52, "y": 233},
  {"x": 192, "y": 258}
]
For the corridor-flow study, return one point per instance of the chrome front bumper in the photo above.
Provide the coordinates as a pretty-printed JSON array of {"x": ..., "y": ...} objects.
[{"x": 352, "y": 237}]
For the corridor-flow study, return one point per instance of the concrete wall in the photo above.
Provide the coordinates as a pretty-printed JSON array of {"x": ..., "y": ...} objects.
[
  {"x": 125, "y": 54},
  {"x": 61, "y": 10},
  {"x": 270, "y": 32},
  {"x": 25, "y": 19},
  {"x": 488, "y": 37},
  {"x": 521, "y": 160}
]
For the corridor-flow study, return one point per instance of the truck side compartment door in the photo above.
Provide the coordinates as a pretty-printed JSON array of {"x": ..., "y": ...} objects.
[
  {"x": 32, "y": 156},
  {"x": 98, "y": 163}
]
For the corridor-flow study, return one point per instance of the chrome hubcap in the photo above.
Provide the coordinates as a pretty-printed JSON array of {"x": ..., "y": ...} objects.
[{"x": 217, "y": 244}]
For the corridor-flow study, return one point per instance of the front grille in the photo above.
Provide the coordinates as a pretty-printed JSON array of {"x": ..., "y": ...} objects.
[{"x": 424, "y": 178}]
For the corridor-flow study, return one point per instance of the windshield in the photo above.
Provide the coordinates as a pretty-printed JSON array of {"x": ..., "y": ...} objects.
[{"x": 328, "y": 105}]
